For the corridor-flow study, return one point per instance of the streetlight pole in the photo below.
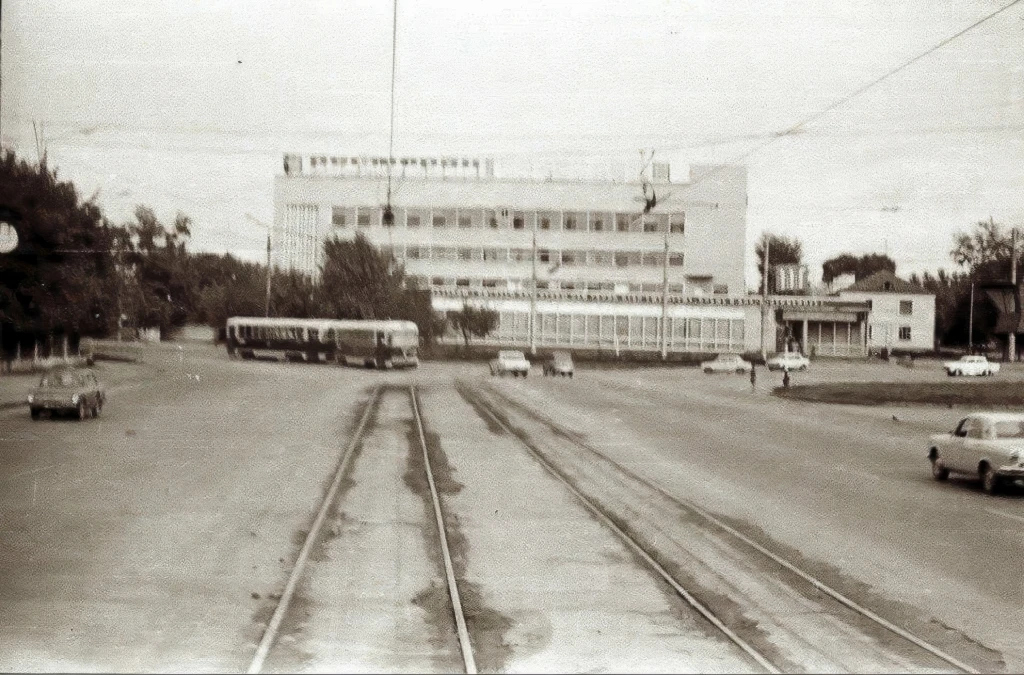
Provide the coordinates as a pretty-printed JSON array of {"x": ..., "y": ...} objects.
[
  {"x": 270, "y": 269},
  {"x": 533, "y": 294},
  {"x": 664, "y": 292},
  {"x": 970, "y": 324},
  {"x": 764, "y": 297},
  {"x": 1011, "y": 339}
]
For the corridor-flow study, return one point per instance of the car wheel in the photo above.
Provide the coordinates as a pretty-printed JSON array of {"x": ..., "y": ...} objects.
[
  {"x": 709, "y": 370},
  {"x": 95, "y": 410},
  {"x": 81, "y": 410},
  {"x": 34, "y": 412},
  {"x": 989, "y": 480},
  {"x": 939, "y": 472},
  {"x": 803, "y": 368}
]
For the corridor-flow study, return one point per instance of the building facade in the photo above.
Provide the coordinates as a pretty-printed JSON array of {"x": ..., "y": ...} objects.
[
  {"x": 568, "y": 263},
  {"x": 902, "y": 315}
]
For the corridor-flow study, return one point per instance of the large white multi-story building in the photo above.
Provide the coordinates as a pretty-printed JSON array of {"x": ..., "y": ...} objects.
[{"x": 567, "y": 262}]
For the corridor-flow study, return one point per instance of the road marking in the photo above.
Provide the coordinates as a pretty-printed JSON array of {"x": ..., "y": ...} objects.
[{"x": 1004, "y": 514}]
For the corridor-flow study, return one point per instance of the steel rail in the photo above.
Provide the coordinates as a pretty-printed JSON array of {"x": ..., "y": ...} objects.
[
  {"x": 814, "y": 581},
  {"x": 270, "y": 634},
  {"x": 449, "y": 568},
  {"x": 598, "y": 513}
]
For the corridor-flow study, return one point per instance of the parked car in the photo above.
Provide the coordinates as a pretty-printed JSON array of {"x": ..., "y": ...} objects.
[
  {"x": 509, "y": 361},
  {"x": 67, "y": 390},
  {"x": 560, "y": 363},
  {"x": 987, "y": 445},
  {"x": 727, "y": 363},
  {"x": 971, "y": 364},
  {"x": 788, "y": 361}
]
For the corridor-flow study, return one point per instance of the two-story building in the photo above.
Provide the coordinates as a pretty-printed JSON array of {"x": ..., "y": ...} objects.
[{"x": 902, "y": 315}]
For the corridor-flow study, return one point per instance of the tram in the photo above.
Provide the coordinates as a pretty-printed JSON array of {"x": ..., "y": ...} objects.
[{"x": 371, "y": 344}]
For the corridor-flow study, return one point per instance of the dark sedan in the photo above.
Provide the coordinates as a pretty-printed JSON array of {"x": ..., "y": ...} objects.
[{"x": 67, "y": 390}]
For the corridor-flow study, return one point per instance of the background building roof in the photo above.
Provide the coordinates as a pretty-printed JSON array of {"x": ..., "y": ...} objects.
[{"x": 884, "y": 281}]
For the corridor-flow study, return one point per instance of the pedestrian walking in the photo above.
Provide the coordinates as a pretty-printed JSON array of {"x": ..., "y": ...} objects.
[
  {"x": 753, "y": 378},
  {"x": 785, "y": 378}
]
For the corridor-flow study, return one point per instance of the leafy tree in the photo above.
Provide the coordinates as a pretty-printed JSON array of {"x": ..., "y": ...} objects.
[
  {"x": 781, "y": 251},
  {"x": 58, "y": 279},
  {"x": 240, "y": 293},
  {"x": 293, "y": 294},
  {"x": 986, "y": 243},
  {"x": 358, "y": 281},
  {"x": 417, "y": 307},
  {"x": 860, "y": 266},
  {"x": 154, "y": 263},
  {"x": 476, "y": 321}
]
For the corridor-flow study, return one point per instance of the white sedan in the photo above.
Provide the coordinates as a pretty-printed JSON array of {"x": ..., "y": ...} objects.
[
  {"x": 987, "y": 445},
  {"x": 788, "y": 361},
  {"x": 727, "y": 363}
]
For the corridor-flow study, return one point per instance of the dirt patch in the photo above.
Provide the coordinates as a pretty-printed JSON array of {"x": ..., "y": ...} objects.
[
  {"x": 471, "y": 399},
  {"x": 487, "y": 627}
]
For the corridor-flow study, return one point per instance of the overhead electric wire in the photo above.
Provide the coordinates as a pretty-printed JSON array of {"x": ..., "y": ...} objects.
[{"x": 864, "y": 88}]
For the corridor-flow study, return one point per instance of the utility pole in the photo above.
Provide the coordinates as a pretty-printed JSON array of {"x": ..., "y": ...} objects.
[
  {"x": 533, "y": 294},
  {"x": 270, "y": 269},
  {"x": 764, "y": 297},
  {"x": 1011, "y": 338},
  {"x": 970, "y": 324},
  {"x": 267, "y": 308},
  {"x": 664, "y": 293}
]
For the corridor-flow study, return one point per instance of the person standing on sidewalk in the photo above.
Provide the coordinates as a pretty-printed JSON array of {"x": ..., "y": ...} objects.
[
  {"x": 753, "y": 378},
  {"x": 785, "y": 378}
]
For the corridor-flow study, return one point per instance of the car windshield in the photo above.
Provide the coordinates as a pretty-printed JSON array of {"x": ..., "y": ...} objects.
[
  {"x": 562, "y": 358},
  {"x": 59, "y": 380},
  {"x": 510, "y": 355},
  {"x": 1009, "y": 429}
]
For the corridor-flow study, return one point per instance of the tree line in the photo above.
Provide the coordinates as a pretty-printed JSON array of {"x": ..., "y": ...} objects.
[{"x": 75, "y": 274}]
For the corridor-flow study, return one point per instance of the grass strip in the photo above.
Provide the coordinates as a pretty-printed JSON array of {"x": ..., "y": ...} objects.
[{"x": 958, "y": 393}]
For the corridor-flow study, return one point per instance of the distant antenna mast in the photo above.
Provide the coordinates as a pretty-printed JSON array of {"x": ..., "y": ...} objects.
[{"x": 389, "y": 215}]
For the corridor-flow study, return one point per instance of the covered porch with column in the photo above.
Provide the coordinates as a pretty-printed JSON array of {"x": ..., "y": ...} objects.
[{"x": 825, "y": 330}]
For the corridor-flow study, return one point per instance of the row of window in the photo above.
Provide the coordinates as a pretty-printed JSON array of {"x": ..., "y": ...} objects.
[
  {"x": 594, "y": 286},
  {"x": 902, "y": 334},
  {"x": 546, "y": 256},
  {"x": 683, "y": 334},
  {"x": 564, "y": 221}
]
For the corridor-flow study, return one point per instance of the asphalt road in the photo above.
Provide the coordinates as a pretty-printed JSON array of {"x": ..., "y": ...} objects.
[
  {"x": 846, "y": 489},
  {"x": 158, "y": 536}
]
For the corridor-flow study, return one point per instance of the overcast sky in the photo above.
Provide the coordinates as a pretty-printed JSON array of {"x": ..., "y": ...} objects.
[{"x": 187, "y": 105}]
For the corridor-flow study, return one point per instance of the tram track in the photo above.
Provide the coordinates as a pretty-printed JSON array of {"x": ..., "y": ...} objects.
[
  {"x": 316, "y": 533},
  {"x": 586, "y": 471}
]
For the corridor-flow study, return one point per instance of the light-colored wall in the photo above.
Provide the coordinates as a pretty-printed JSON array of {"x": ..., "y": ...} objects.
[
  {"x": 714, "y": 243},
  {"x": 885, "y": 320}
]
